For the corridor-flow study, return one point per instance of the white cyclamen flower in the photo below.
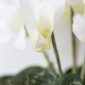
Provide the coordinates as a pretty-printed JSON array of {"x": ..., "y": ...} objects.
[
  {"x": 39, "y": 17},
  {"x": 79, "y": 27},
  {"x": 11, "y": 23}
]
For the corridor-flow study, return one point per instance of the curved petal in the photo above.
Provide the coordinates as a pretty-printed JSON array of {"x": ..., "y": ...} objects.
[
  {"x": 7, "y": 11},
  {"x": 30, "y": 9},
  {"x": 79, "y": 27},
  {"x": 10, "y": 18},
  {"x": 77, "y": 5}
]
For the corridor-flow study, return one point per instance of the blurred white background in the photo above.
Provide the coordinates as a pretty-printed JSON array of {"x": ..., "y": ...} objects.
[{"x": 13, "y": 60}]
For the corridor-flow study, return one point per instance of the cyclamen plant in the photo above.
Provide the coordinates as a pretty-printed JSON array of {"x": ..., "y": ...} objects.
[{"x": 31, "y": 20}]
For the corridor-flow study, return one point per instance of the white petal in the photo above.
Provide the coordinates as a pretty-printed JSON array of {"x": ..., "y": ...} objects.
[
  {"x": 31, "y": 17},
  {"x": 30, "y": 9},
  {"x": 20, "y": 40},
  {"x": 79, "y": 27},
  {"x": 10, "y": 17},
  {"x": 50, "y": 6},
  {"x": 47, "y": 10}
]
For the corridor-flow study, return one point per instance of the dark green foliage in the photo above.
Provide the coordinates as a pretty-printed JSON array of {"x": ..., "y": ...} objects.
[
  {"x": 5, "y": 80},
  {"x": 70, "y": 79},
  {"x": 40, "y": 76},
  {"x": 35, "y": 76}
]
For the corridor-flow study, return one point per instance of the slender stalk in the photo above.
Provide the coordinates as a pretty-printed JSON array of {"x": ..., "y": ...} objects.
[
  {"x": 47, "y": 59},
  {"x": 50, "y": 64},
  {"x": 74, "y": 54},
  {"x": 83, "y": 70},
  {"x": 57, "y": 55},
  {"x": 73, "y": 43}
]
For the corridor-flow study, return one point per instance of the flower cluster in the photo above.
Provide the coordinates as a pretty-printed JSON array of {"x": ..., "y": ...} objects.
[{"x": 38, "y": 20}]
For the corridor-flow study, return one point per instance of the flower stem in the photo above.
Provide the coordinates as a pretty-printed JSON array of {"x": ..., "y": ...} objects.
[
  {"x": 56, "y": 54},
  {"x": 73, "y": 44},
  {"x": 74, "y": 54},
  {"x": 47, "y": 58},
  {"x": 82, "y": 75},
  {"x": 50, "y": 64}
]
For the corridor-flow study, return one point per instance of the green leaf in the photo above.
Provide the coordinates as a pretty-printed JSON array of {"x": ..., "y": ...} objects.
[
  {"x": 70, "y": 79},
  {"x": 35, "y": 76}
]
